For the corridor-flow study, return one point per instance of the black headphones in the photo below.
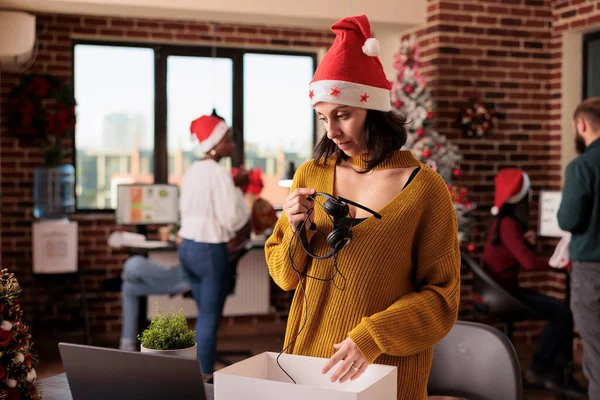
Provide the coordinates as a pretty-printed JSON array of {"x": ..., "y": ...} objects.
[{"x": 336, "y": 207}]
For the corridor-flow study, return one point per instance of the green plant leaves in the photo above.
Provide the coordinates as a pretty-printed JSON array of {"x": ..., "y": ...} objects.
[{"x": 168, "y": 332}]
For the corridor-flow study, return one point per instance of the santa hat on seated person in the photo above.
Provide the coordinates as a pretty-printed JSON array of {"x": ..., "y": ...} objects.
[
  {"x": 210, "y": 130},
  {"x": 350, "y": 72},
  {"x": 512, "y": 185}
]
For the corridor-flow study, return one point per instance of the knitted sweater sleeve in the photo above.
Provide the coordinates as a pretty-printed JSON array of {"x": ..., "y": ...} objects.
[
  {"x": 420, "y": 319},
  {"x": 283, "y": 245}
]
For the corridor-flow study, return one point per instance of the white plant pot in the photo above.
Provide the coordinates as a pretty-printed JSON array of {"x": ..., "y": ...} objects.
[{"x": 189, "y": 352}]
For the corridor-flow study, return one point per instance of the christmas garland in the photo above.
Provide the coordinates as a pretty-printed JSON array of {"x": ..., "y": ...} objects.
[
  {"x": 17, "y": 359},
  {"x": 477, "y": 118},
  {"x": 463, "y": 207}
]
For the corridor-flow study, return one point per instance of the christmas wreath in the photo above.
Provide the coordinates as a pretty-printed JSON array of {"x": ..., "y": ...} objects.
[
  {"x": 477, "y": 118},
  {"x": 42, "y": 107}
]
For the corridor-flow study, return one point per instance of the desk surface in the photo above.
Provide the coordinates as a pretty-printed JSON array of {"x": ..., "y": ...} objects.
[
  {"x": 57, "y": 388},
  {"x": 171, "y": 246}
]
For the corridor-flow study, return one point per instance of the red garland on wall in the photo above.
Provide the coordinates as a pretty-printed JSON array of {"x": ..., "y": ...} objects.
[{"x": 42, "y": 107}]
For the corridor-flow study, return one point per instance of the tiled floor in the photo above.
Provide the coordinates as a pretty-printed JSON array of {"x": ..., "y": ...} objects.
[{"x": 50, "y": 363}]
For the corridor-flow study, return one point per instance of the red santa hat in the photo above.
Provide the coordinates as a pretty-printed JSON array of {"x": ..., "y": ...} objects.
[
  {"x": 209, "y": 130},
  {"x": 350, "y": 72},
  {"x": 512, "y": 185}
]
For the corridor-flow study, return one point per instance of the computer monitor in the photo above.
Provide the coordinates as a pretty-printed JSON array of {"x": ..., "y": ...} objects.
[{"x": 144, "y": 204}]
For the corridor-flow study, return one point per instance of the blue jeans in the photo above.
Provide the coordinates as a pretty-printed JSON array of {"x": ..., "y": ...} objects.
[
  {"x": 142, "y": 277},
  {"x": 207, "y": 267}
]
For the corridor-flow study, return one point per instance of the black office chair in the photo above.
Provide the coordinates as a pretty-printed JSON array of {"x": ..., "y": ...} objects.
[
  {"x": 495, "y": 303},
  {"x": 476, "y": 362}
]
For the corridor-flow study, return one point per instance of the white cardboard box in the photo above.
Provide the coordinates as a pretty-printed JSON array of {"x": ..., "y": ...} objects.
[{"x": 260, "y": 377}]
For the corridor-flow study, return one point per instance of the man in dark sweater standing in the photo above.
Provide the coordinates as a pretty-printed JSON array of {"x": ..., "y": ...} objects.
[{"x": 579, "y": 214}]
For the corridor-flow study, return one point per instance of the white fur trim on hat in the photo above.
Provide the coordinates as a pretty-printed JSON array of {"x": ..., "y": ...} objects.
[
  {"x": 523, "y": 192},
  {"x": 371, "y": 47},
  {"x": 494, "y": 210},
  {"x": 349, "y": 94},
  {"x": 215, "y": 137}
]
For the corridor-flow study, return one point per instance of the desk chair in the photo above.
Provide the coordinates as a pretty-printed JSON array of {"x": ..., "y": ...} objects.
[
  {"x": 476, "y": 362},
  {"x": 497, "y": 304},
  {"x": 494, "y": 302}
]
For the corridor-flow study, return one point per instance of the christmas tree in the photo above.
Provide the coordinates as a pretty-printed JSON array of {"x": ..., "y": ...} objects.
[
  {"x": 17, "y": 360},
  {"x": 411, "y": 98}
]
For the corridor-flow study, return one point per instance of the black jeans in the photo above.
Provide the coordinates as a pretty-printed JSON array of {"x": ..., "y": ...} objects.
[{"x": 555, "y": 348}]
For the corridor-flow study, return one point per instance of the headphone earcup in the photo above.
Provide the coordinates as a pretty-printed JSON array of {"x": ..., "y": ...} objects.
[
  {"x": 339, "y": 238},
  {"x": 336, "y": 208}
]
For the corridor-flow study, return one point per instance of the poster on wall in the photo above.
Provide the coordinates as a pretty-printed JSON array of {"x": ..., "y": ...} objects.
[
  {"x": 549, "y": 205},
  {"x": 54, "y": 246},
  {"x": 147, "y": 204}
]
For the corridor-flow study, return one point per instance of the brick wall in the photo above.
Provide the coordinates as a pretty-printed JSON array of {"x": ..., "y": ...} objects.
[
  {"x": 501, "y": 52},
  {"x": 18, "y": 159}
]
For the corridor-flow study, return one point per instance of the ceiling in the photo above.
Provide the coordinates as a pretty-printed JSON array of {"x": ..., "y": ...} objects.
[{"x": 385, "y": 15}]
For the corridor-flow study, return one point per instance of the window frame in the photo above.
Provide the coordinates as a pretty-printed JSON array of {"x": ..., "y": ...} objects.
[
  {"x": 588, "y": 37},
  {"x": 161, "y": 53}
]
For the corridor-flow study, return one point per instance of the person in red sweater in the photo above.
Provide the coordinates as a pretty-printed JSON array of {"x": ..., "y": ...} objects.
[{"x": 510, "y": 248}]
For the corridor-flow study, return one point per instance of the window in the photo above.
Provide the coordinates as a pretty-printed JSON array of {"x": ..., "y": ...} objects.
[
  {"x": 195, "y": 85},
  {"x": 591, "y": 65},
  {"x": 114, "y": 137},
  {"x": 135, "y": 104},
  {"x": 278, "y": 119}
]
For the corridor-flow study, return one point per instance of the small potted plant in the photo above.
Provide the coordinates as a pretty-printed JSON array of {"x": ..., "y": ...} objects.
[{"x": 169, "y": 335}]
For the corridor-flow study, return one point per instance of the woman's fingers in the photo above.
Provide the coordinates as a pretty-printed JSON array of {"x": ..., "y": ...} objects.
[
  {"x": 360, "y": 371},
  {"x": 298, "y": 200},
  {"x": 345, "y": 371},
  {"x": 300, "y": 192},
  {"x": 297, "y": 206},
  {"x": 338, "y": 356},
  {"x": 298, "y": 209},
  {"x": 295, "y": 220}
]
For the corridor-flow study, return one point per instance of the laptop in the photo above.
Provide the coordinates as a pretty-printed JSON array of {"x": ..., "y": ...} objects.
[{"x": 98, "y": 373}]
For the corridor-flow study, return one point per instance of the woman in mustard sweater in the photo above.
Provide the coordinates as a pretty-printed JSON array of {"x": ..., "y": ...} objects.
[{"x": 401, "y": 289}]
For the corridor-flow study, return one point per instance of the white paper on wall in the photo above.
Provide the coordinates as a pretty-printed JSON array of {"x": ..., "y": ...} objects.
[
  {"x": 549, "y": 205},
  {"x": 54, "y": 246}
]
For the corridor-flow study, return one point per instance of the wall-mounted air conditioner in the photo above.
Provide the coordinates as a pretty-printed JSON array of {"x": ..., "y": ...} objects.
[{"x": 17, "y": 39}]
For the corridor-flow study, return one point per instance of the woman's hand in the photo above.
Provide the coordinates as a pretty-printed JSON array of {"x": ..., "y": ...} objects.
[
  {"x": 241, "y": 178},
  {"x": 354, "y": 362},
  {"x": 531, "y": 237},
  {"x": 297, "y": 205}
]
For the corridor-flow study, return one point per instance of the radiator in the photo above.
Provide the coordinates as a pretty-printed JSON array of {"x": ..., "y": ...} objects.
[{"x": 252, "y": 291}]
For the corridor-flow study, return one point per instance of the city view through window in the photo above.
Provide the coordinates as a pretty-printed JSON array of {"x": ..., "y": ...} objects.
[{"x": 115, "y": 130}]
